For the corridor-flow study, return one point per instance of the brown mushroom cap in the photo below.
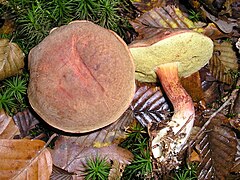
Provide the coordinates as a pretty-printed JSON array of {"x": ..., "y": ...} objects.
[
  {"x": 81, "y": 77},
  {"x": 191, "y": 49}
]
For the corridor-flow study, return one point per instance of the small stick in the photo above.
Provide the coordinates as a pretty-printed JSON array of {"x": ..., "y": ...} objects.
[
  {"x": 226, "y": 103},
  {"x": 50, "y": 139}
]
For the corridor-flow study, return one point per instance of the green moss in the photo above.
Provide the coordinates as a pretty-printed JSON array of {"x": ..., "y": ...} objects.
[
  {"x": 194, "y": 16},
  {"x": 13, "y": 94},
  {"x": 34, "y": 19},
  {"x": 186, "y": 173},
  {"x": 96, "y": 169},
  {"x": 137, "y": 143}
]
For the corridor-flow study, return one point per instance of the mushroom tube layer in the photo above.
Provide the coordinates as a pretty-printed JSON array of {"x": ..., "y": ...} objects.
[
  {"x": 167, "y": 57},
  {"x": 191, "y": 49}
]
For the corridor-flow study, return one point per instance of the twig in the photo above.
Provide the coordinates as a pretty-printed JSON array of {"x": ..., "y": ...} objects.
[
  {"x": 50, "y": 139},
  {"x": 226, "y": 103},
  {"x": 35, "y": 157}
]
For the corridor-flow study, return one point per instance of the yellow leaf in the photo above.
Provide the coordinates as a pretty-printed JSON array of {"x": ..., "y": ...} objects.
[
  {"x": 146, "y": 5},
  {"x": 11, "y": 59},
  {"x": 171, "y": 18},
  {"x": 98, "y": 144}
]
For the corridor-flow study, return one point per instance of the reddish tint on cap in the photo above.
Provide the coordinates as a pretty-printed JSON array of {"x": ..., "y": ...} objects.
[{"x": 81, "y": 77}]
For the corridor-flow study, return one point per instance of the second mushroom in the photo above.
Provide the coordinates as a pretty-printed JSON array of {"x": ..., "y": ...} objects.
[{"x": 168, "y": 56}]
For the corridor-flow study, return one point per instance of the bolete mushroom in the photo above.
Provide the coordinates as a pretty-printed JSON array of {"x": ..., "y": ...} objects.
[
  {"x": 169, "y": 56},
  {"x": 81, "y": 77}
]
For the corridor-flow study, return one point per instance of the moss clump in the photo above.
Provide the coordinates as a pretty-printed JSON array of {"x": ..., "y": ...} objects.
[{"x": 34, "y": 19}]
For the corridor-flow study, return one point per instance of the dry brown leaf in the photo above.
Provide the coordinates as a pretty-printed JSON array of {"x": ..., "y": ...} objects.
[
  {"x": 227, "y": 54},
  {"x": 235, "y": 122},
  {"x": 212, "y": 88},
  {"x": 146, "y": 5},
  {"x": 3, "y": 1},
  {"x": 159, "y": 20},
  {"x": 225, "y": 25},
  {"x": 213, "y": 32},
  {"x": 11, "y": 59},
  {"x": 7, "y": 27},
  {"x": 206, "y": 77},
  {"x": 74, "y": 150},
  {"x": 227, "y": 8},
  {"x": 194, "y": 157},
  {"x": 236, "y": 107},
  {"x": 224, "y": 61},
  {"x": 74, "y": 156},
  {"x": 221, "y": 7},
  {"x": 25, "y": 122},
  {"x": 235, "y": 8},
  {"x": 236, "y": 166},
  {"x": 116, "y": 170},
  {"x": 192, "y": 85},
  {"x": 149, "y": 104},
  {"x": 112, "y": 134},
  {"x": 60, "y": 174},
  {"x": 212, "y": 93},
  {"x": 24, "y": 159},
  {"x": 7, "y": 127},
  {"x": 217, "y": 147}
]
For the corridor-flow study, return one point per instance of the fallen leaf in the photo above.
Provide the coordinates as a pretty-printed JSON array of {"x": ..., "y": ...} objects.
[
  {"x": 192, "y": 85},
  {"x": 223, "y": 61},
  {"x": 25, "y": 122},
  {"x": 116, "y": 170},
  {"x": 206, "y": 77},
  {"x": 225, "y": 25},
  {"x": 149, "y": 104},
  {"x": 213, "y": 32},
  {"x": 159, "y": 20},
  {"x": 221, "y": 7},
  {"x": 236, "y": 107},
  {"x": 7, "y": 27},
  {"x": 24, "y": 159},
  {"x": 58, "y": 173},
  {"x": 74, "y": 150},
  {"x": 146, "y": 5},
  {"x": 227, "y": 54},
  {"x": 7, "y": 127},
  {"x": 227, "y": 9},
  {"x": 194, "y": 157},
  {"x": 235, "y": 122},
  {"x": 236, "y": 166},
  {"x": 74, "y": 156},
  {"x": 11, "y": 59},
  {"x": 3, "y": 1},
  {"x": 217, "y": 147},
  {"x": 212, "y": 93},
  {"x": 235, "y": 9},
  {"x": 212, "y": 89}
]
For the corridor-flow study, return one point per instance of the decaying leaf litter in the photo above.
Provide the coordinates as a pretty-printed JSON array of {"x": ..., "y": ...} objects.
[{"x": 213, "y": 146}]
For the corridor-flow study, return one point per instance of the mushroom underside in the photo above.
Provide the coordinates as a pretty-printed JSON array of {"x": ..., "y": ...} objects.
[{"x": 179, "y": 54}]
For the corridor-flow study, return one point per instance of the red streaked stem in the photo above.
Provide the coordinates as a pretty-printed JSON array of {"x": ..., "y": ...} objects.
[{"x": 181, "y": 101}]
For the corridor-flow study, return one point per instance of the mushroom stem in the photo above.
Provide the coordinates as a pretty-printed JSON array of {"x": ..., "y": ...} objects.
[
  {"x": 181, "y": 101},
  {"x": 172, "y": 138}
]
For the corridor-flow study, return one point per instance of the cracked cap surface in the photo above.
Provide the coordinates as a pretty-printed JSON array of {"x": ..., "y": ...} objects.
[{"x": 81, "y": 77}]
